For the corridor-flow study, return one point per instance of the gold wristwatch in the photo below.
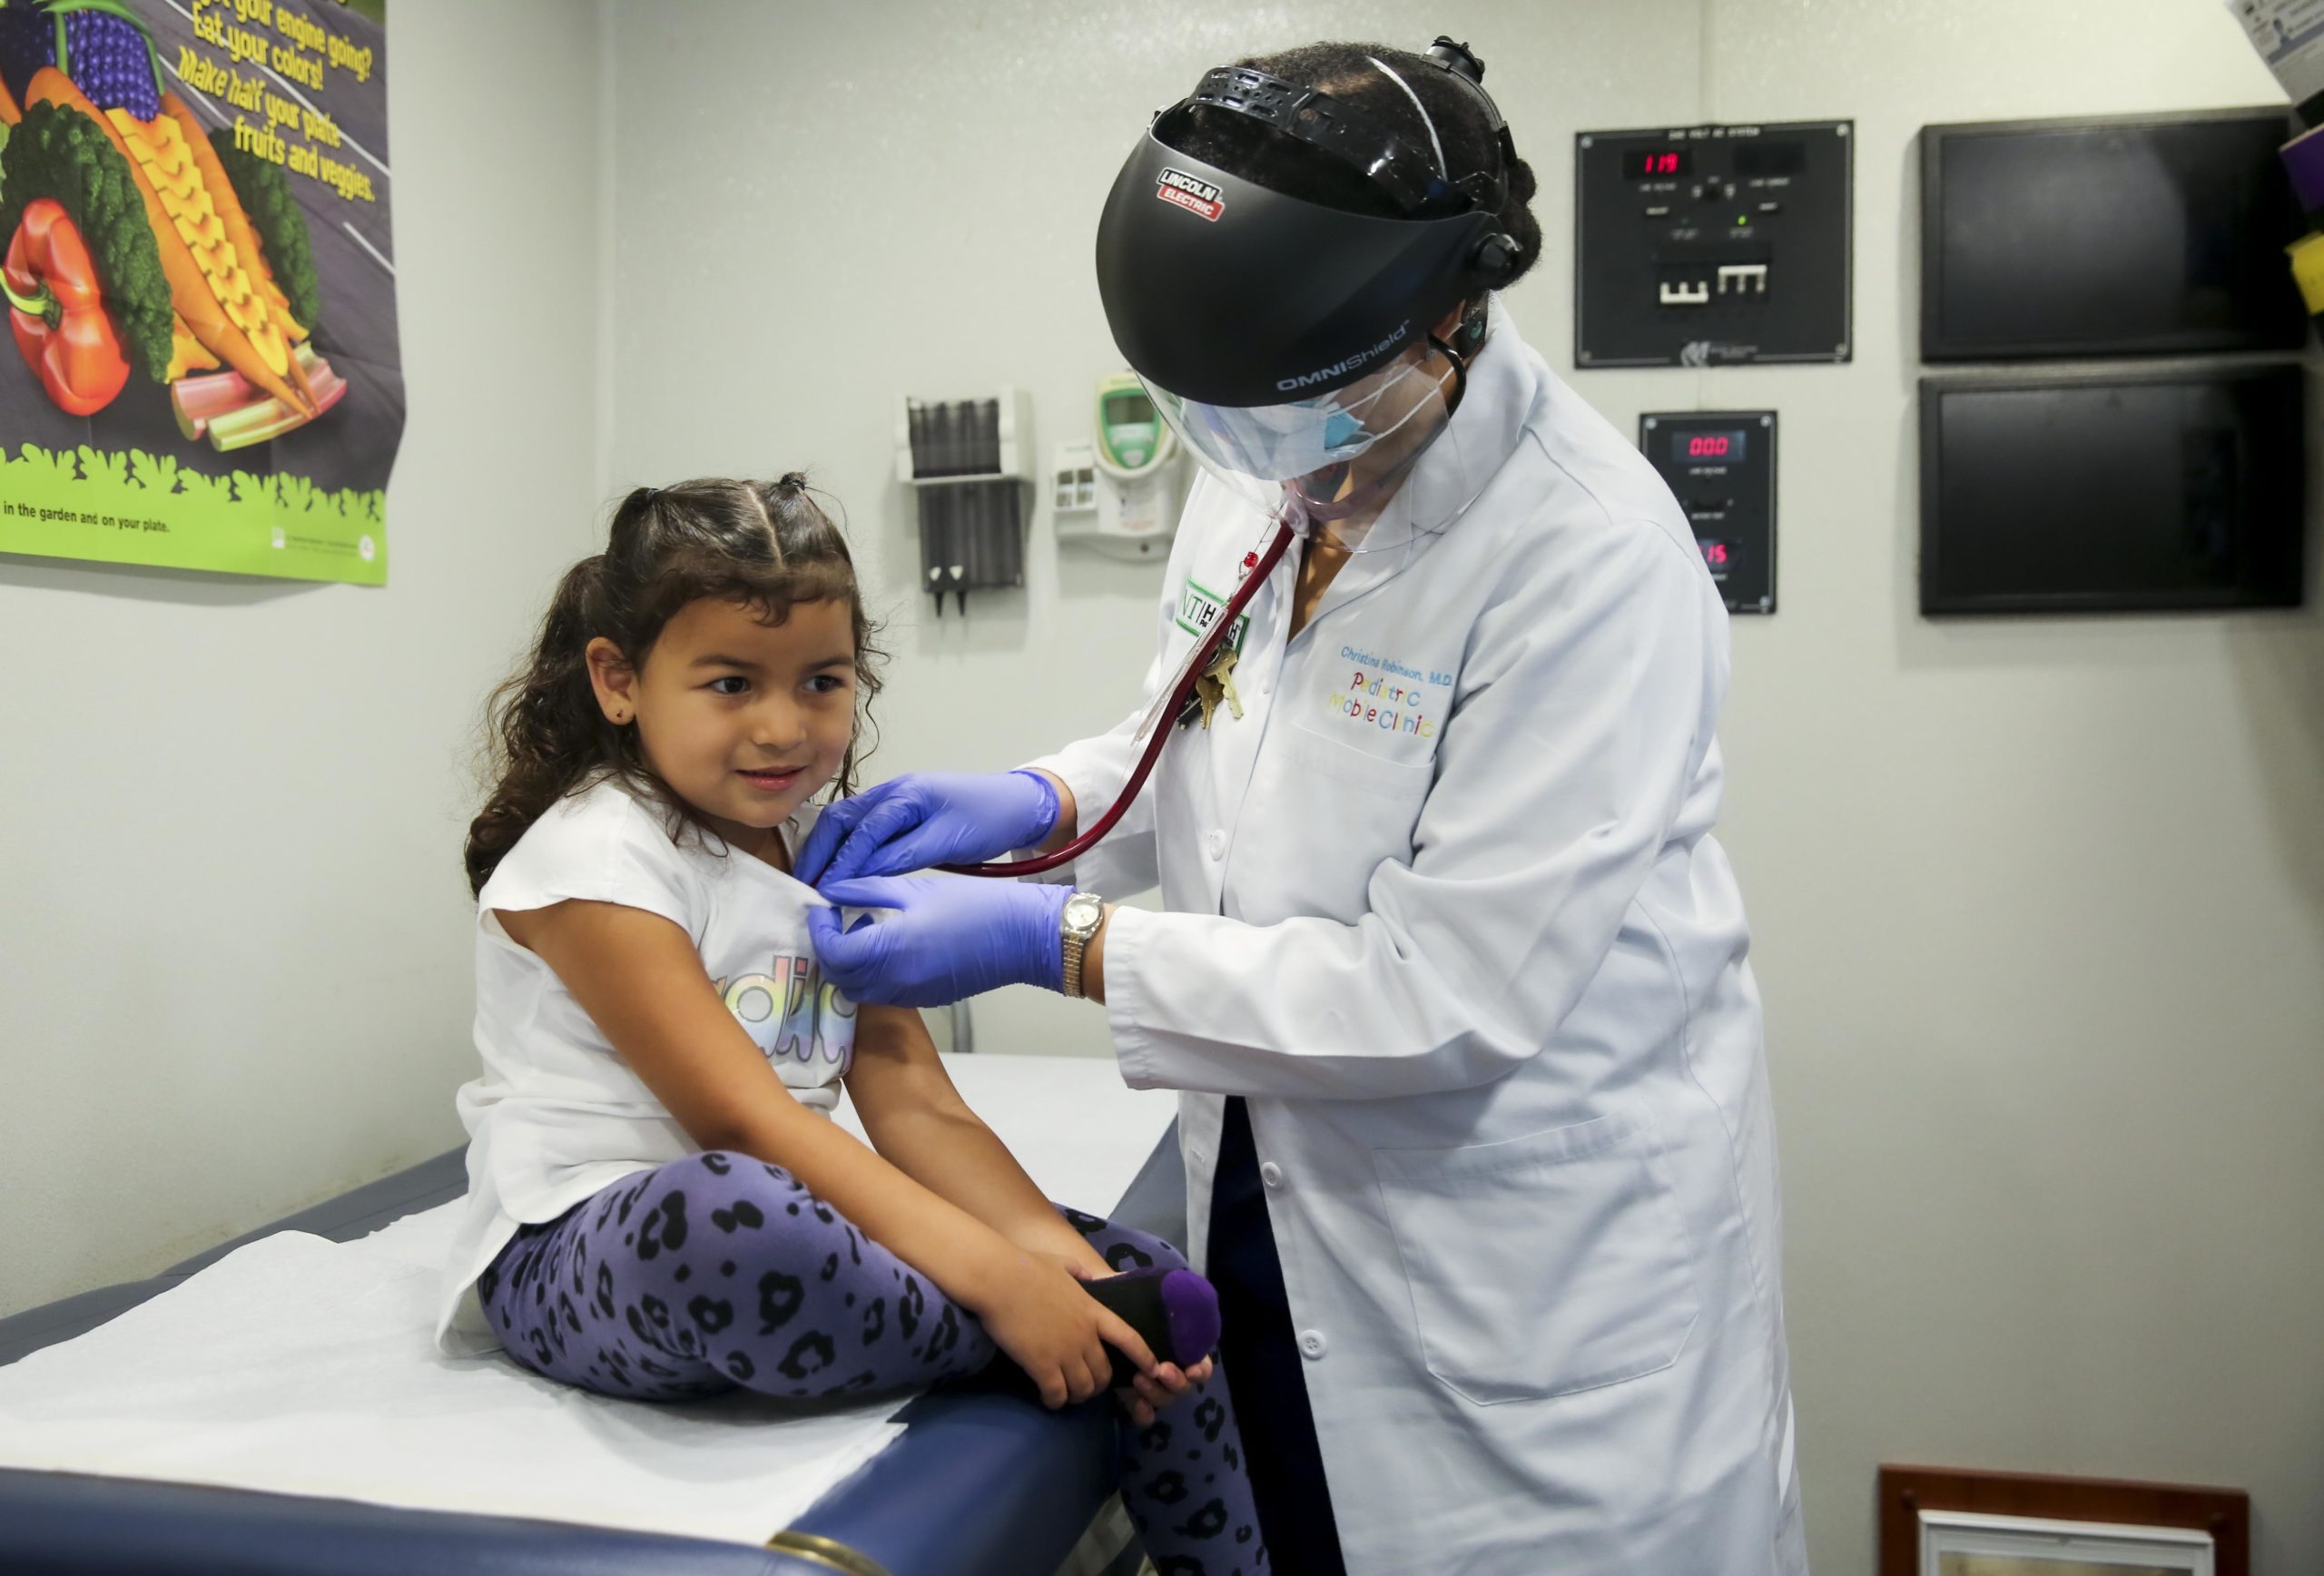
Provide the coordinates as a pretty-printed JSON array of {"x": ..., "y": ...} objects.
[{"x": 1084, "y": 913}]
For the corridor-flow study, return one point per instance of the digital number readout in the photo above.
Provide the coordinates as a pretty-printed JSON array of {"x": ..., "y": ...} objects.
[
  {"x": 1658, "y": 164},
  {"x": 1708, "y": 447}
]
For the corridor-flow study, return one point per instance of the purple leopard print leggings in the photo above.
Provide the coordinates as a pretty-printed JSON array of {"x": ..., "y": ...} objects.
[{"x": 719, "y": 1270}]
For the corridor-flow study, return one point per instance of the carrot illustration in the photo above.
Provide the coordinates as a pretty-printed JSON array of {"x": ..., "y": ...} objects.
[
  {"x": 186, "y": 353},
  {"x": 228, "y": 205},
  {"x": 209, "y": 284}
]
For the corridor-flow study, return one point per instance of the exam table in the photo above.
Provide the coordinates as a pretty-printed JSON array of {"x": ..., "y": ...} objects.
[{"x": 977, "y": 1484}]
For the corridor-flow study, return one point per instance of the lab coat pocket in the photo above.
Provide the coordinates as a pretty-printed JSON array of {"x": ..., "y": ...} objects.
[
  {"x": 1541, "y": 1266},
  {"x": 1368, "y": 808},
  {"x": 1353, "y": 764}
]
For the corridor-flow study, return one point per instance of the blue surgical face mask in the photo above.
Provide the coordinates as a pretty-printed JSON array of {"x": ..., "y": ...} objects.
[
  {"x": 1344, "y": 431},
  {"x": 1279, "y": 442}
]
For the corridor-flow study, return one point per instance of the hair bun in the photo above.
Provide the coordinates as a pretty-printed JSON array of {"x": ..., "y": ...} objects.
[
  {"x": 1522, "y": 186},
  {"x": 792, "y": 481}
]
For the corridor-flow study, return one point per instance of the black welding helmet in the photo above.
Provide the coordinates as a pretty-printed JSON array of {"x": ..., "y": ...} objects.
[{"x": 1287, "y": 341}]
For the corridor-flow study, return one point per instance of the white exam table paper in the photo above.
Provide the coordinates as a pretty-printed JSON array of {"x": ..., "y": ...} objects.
[{"x": 299, "y": 1366}]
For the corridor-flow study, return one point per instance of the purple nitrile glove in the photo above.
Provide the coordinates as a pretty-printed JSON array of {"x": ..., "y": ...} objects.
[
  {"x": 949, "y": 937},
  {"x": 925, "y": 819}
]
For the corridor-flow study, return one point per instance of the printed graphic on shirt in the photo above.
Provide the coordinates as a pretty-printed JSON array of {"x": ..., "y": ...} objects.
[
  {"x": 1372, "y": 695},
  {"x": 1199, "y": 609},
  {"x": 794, "y": 1014}
]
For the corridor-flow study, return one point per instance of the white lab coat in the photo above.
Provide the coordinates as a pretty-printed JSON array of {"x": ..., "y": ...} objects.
[{"x": 1478, "y": 966}]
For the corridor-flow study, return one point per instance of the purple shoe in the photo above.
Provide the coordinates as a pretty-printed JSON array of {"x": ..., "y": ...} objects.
[{"x": 1175, "y": 1311}]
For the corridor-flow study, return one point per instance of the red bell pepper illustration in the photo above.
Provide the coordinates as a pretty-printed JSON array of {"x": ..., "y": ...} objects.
[{"x": 58, "y": 313}]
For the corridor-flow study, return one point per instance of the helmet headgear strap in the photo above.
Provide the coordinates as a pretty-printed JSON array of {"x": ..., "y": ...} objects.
[{"x": 1498, "y": 255}]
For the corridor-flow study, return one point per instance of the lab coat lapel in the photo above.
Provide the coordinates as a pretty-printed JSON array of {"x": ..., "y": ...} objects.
[{"x": 1474, "y": 446}]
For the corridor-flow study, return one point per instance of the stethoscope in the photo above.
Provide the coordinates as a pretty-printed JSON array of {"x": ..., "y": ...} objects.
[
  {"x": 1257, "y": 568},
  {"x": 1290, "y": 517}
]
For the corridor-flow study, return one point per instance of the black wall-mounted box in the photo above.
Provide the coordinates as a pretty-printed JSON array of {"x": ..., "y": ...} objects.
[
  {"x": 2135, "y": 235},
  {"x": 2113, "y": 490}
]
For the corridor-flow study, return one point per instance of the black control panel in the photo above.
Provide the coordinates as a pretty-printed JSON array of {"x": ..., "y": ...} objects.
[
  {"x": 1721, "y": 465},
  {"x": 1710, "y": 246}
]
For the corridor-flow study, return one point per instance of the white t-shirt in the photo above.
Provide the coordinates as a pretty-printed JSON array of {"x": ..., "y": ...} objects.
[{"x": 558, "y": 1115}]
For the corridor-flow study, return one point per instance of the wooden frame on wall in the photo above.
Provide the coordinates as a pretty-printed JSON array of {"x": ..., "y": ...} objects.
[{"x": 2192, "y": 1529}]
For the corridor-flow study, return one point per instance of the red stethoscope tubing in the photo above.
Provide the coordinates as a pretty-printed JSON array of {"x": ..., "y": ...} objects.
[{"x": 1040, "y": 863}]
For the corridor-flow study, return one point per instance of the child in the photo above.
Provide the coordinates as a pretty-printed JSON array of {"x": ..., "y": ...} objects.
[{"x": 658, "y": 1207}]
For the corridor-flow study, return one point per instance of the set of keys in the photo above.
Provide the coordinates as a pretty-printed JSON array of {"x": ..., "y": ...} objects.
[{"x": 1213, "y": 688}]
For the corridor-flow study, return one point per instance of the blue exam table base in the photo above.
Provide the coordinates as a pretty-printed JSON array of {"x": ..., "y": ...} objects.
[{"x": 978, "y": 1484}]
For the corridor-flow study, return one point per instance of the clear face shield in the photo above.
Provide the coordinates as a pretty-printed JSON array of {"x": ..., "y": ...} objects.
[{"x": 1348, "y": 463}]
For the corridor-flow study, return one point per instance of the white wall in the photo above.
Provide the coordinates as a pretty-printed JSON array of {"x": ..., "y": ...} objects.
[
  {"x": 234, "y": 965},
  {"x": 2040, "y": 904}
]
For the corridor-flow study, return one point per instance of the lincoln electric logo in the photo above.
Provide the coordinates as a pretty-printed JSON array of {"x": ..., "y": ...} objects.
[{"x": 1197, "y": 197}]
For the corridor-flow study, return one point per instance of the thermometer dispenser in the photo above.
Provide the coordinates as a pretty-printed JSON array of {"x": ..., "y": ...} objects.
[{"x": 1120, "y": 492}]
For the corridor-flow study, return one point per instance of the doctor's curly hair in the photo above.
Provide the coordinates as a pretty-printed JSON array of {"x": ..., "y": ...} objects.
[
  {"x": 1267, "y": 158},
  {"x": 764, "y": 545}
]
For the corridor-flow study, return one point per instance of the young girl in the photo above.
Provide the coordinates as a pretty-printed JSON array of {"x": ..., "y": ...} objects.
[{"x": 658, "y": 1206}]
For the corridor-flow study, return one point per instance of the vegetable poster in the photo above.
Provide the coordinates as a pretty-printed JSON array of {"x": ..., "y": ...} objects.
[{"x": 200, "y": 285}]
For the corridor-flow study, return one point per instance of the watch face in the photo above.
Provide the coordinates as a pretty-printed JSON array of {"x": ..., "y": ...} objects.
[{"x": 1083, "y": 911}]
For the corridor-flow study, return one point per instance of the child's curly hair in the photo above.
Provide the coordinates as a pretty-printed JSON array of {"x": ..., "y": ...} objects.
[{"x": 766, "y": 545}]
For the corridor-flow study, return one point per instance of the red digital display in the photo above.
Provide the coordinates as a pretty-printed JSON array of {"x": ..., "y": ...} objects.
[
  {"x": 1726, "y": 447},
  {"x": 1658, "y": 164},
  {"x": 1715, "y": 553}
]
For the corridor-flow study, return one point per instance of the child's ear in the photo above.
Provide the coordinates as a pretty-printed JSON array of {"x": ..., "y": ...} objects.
[{"x": 613, "y": 679}]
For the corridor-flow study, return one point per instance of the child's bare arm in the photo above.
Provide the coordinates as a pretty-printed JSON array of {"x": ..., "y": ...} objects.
[
  {"x": 919, "y": 1122},
  {"x": 638, "y": 977}
]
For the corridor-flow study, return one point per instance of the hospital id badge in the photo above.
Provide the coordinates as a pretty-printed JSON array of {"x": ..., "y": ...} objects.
[{"x": 1199, "y": 609}]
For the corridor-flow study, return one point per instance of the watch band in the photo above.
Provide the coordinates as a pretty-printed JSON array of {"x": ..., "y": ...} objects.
[{"x": 1077, "y": 937}]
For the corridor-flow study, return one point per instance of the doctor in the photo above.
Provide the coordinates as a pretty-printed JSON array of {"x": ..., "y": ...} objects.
[{"x": 1451, "y": 970}]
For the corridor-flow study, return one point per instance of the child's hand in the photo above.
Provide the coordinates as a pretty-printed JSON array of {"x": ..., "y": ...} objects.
[
  {"x": 1146, "y": 1393},
  {"x": 1058, "y": 1332},
  {"x": 1081, "y": 1262},
  {"x": 1150, "y": 1393}
]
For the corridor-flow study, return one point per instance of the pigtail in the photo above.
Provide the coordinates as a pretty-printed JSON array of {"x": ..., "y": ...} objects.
[{"x": 544, "y": 731}]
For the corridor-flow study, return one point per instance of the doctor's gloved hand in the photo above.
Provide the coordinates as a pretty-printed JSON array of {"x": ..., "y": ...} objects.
[
  {"x": 948, "y": 937},
  {"x": 928, "y": 818}
]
